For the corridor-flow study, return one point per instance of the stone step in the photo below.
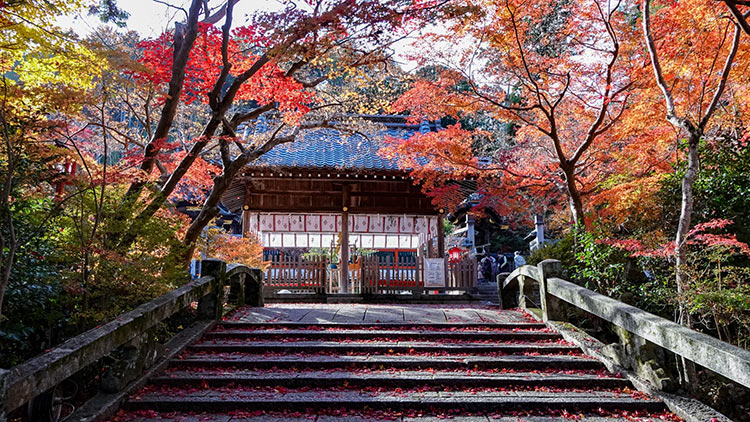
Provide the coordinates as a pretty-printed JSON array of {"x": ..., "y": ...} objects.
[
  {"x": 561, "y": 362},
  {"x": 215, "y": 377},
  {"x": 382, "y": 348},
  {"x": 412, "y": 335},
  {"x": 327, "y": 347},
  {"x": 216, "y": 400},
  {"x": 447, "y": 326},
  {"x": 383, "y": 416}
]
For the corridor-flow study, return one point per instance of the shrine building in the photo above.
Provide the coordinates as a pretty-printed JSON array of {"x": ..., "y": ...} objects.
[{"x": 331, "y": 189}]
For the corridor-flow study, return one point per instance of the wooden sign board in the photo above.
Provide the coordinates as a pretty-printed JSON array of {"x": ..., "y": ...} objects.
[{"x": 434, "y": 272}]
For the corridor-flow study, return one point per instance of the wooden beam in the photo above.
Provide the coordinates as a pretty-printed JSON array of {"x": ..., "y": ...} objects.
[
  {"x": 336, "y": 209},
  {"x": 337, "y": 193}
]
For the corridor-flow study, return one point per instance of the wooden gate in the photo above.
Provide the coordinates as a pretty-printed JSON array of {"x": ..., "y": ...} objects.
[
  {"x": 384, "y": 275},
  {"x": 296, "y": 274},
  {"x": 462, "y": 274}
]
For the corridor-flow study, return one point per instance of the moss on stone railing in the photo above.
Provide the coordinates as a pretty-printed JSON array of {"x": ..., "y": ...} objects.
[
  {"x": 39, "y": 376},
  {"x": 637, "y": 329}
]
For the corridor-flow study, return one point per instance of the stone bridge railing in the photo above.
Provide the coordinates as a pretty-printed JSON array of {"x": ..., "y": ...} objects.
[
  {"x": 126, "y": 344},
  {"x": 643, "y": 336}
]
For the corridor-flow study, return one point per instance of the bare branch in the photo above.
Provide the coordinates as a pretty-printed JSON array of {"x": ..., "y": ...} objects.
[{"x": 723, "y": 81}]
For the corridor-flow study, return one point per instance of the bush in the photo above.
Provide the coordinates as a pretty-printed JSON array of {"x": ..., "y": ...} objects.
[{"x": 561, "y": 251}]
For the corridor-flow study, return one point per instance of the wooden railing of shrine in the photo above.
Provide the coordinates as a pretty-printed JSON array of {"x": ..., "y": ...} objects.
[
  {"x": 123, "y": 351},
  {"x": 540, "y": 290},
  {"x": 370, "y": 275}
]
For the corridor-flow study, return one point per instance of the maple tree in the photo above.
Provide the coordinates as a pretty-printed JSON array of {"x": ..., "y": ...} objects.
[
  {"x": 216, "y": 243},
  {"x": 43, "y": 70},
  {"x": 560, "y": 72},
  {"x": 713, "y": 54},
  {"x": 739, "y": 9},
  {"x": 273, "y": 67}
]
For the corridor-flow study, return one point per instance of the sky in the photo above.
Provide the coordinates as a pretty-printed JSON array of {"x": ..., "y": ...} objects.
[{"x": 150, "y": 18}]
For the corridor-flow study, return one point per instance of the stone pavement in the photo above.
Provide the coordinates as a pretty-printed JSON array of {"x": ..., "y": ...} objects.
[
  {"x": 361, "y": 313},
  {"x": 408, "y": 363}
]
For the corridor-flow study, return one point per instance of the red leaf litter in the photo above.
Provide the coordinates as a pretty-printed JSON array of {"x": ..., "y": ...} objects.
[{"x": 209, "y": 372}]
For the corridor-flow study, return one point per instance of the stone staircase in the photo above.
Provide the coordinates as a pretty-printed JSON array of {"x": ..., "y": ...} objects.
[
  {"x": 377, "y": 371},
  {"x": 487, "y": 293}
]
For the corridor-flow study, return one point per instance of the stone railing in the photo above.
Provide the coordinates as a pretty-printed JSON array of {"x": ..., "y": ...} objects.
[
  {"x": 643, "y": 336},
  {"x": 127, "y": 343}
]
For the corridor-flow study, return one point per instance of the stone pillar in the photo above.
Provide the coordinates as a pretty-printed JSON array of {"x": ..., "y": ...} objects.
[
  {"x": 211, "y": 306},
  {"x": 470, "y": 235},
  {"x": 552, "y": 308},
  {"x": 4, "y": 379},
  {"x": 254, "y": 288},
  {"x": 505, "y": 297},
  {"x": 539, "y": 223},
  {"x": 525, "y": 290}
]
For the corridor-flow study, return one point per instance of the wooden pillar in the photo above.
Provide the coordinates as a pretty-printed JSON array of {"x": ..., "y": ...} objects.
[
  {"x": 440, "y": 235},
  {"x": 344, "y": 283},
  {"x": 245, "y": 220}
]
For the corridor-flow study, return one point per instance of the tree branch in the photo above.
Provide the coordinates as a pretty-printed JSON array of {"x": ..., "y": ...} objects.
[{"x": 723, "y": 81}]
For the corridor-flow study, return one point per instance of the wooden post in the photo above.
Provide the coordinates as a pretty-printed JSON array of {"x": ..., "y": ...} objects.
[
  {"x": 440, "y": 235},
  {"x": 344, "y": 283},
  {"x": 430, "y": 248},
  {"x": 245, "y": 220}
]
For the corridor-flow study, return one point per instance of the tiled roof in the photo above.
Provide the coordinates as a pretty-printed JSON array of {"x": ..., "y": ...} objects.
[{"x": 331, "y": 149}]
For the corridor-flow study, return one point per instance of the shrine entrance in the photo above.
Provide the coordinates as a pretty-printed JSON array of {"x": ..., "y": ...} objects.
[
  {"x": 336, "y": 218},
  {"x": 386, "y": 254}
]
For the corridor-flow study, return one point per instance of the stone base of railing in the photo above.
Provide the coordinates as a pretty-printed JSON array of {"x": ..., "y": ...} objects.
[
  {"x": 643, "y": 357},
  {"x": 120, "y": 351},
  {"x": 689, "y": 409},
  {"x": 105, "y": 404},
  {"x": 648, "y": 344}
]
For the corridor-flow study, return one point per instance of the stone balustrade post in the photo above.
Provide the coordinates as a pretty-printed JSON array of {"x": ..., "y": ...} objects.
[
  {"x": 254, "y": 288},
  {"x": 504, "y": 296},
  {"x": 525, "y": 290},
  {"x": 211, "y": 306},
  {"x": 4, "y": 378},
  {"x": 552, "y": 308}
]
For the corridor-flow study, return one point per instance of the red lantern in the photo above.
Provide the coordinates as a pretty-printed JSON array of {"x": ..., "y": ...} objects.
[{"x": 454, "y": 254}]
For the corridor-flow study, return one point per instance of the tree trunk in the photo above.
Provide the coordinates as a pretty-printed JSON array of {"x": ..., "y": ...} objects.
[
  {"x": 574, "y": 196},
  {"x": 689, "y": 376},
  {"x": 210, "y": 206},
  {"x": 160, "y": 196},
  {"x": 7, "y": 267},
  {"x": 184, "y": 38}
]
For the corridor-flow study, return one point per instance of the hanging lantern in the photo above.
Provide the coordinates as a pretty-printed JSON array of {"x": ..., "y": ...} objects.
[{"x": 454, "y": 254}]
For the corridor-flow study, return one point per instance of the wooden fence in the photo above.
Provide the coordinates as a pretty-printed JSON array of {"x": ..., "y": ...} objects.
[{"x": 370, "y": 275}]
